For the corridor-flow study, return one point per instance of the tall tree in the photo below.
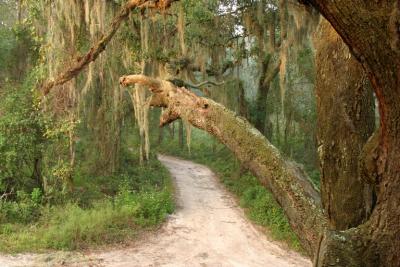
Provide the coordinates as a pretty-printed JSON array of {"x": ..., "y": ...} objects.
[
  {"x": 371, "y": 30},
  {"x": 346, "y": 120}
]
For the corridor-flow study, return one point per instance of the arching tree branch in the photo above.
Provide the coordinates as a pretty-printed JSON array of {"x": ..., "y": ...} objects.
[
  {"x": 79, "y": 64},
  {"x": 288, "y": 183}
]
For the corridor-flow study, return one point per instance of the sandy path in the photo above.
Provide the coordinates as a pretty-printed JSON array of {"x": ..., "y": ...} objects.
[{"x": 208, "y": 229}]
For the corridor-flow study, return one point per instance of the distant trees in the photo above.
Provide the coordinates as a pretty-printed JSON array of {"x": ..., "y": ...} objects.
[
  {"x": 21, "y": 138},
  {"x": 21, "y": 127}
]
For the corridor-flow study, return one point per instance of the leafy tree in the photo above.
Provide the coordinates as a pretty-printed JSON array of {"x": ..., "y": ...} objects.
[{"x": 21, "y": 140}]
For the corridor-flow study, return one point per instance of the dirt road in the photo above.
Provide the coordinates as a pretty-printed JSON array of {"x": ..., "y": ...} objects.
[{"x": 208, "y": 229}]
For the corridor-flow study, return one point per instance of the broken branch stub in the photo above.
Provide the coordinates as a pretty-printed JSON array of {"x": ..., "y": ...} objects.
[{"x": 178, "y": 101}]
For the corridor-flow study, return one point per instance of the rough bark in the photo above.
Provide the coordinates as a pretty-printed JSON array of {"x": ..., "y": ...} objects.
[
  {"x": 346, "y": 119},
  {"x": 77, "y": 65},
  {"x": 371, "y": 30},
  {"x": 288, "y": 183}
]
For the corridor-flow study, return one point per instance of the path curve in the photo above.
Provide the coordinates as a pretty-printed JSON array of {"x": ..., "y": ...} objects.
[{"x": 207, "y": 229}]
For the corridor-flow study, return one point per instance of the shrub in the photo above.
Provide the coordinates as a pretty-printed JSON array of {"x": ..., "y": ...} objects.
[
  {"x": 143, "y": 199},
  {"x": 25, "y": 209}
]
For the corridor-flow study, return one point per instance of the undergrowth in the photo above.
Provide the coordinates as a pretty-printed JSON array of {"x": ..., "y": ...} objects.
[{"x": 90, "y": 217}]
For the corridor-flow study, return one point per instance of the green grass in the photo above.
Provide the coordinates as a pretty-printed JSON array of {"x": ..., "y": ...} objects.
[
  {"x": 141, "y": 201},
  {"x": 258, "y": 202}
]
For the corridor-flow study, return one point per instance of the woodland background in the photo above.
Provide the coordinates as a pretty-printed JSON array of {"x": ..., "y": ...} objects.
[{"x": 78, "y": 166}]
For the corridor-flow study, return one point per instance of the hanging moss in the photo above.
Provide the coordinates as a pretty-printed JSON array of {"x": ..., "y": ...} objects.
[
  {"x": 141, "y": 106},
  {"x": 181, "y": 29},
  {"x": 94, "y": 97}
]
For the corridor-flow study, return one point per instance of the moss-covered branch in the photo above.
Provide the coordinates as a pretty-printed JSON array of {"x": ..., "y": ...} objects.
[
  {"x": 288, "y": 183},
  {"x": 79, "y": 64}
]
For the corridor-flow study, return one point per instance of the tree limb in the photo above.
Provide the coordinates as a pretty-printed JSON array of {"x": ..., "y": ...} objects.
[
  {"x": 288, "y": 183},
  {"x": 198, "y": 85},
  {"x": 79, "y": 64},
  {"x": 182, "y": 83}
]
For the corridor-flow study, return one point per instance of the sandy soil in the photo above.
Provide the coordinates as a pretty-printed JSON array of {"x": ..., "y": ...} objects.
[{"x": 208, "y": 229}]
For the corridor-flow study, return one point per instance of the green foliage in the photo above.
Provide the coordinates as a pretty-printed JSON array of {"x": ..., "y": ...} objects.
[
  {"x": 102, "y": 220},
  {"x": 203, "y": 22},
  {"x": 70, "y": 227},
  {"x": 150, "y": 208},
  {"x": 305, "y": 59},
  {"x": 18, "y": 51},
  {"x": 263, "y": 210},
  {"x": 315, "y": 177},
  {"x": 21, "y": 127},
  {"x": 7, "y": 43},
  {"x": 25, "y": 209},
  {"x": 21, "y": 137}
]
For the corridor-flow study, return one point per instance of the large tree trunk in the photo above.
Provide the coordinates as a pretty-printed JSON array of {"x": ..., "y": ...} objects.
[
  {"x": 371, "y": 30},
  {"x": 288, "y": 183},
  {"x": 346, "y": 119}
]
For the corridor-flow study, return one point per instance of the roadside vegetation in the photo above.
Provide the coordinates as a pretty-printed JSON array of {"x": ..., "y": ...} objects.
[
  {"x": 70, "y": 174},
  {"x": 102, "y": 210}
]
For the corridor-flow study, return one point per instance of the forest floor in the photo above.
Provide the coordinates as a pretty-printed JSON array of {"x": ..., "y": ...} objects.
[{"x": 207, "y": 229}]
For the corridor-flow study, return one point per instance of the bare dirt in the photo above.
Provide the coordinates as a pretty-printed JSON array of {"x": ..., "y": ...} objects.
[{"x": 207, "y": 229}]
